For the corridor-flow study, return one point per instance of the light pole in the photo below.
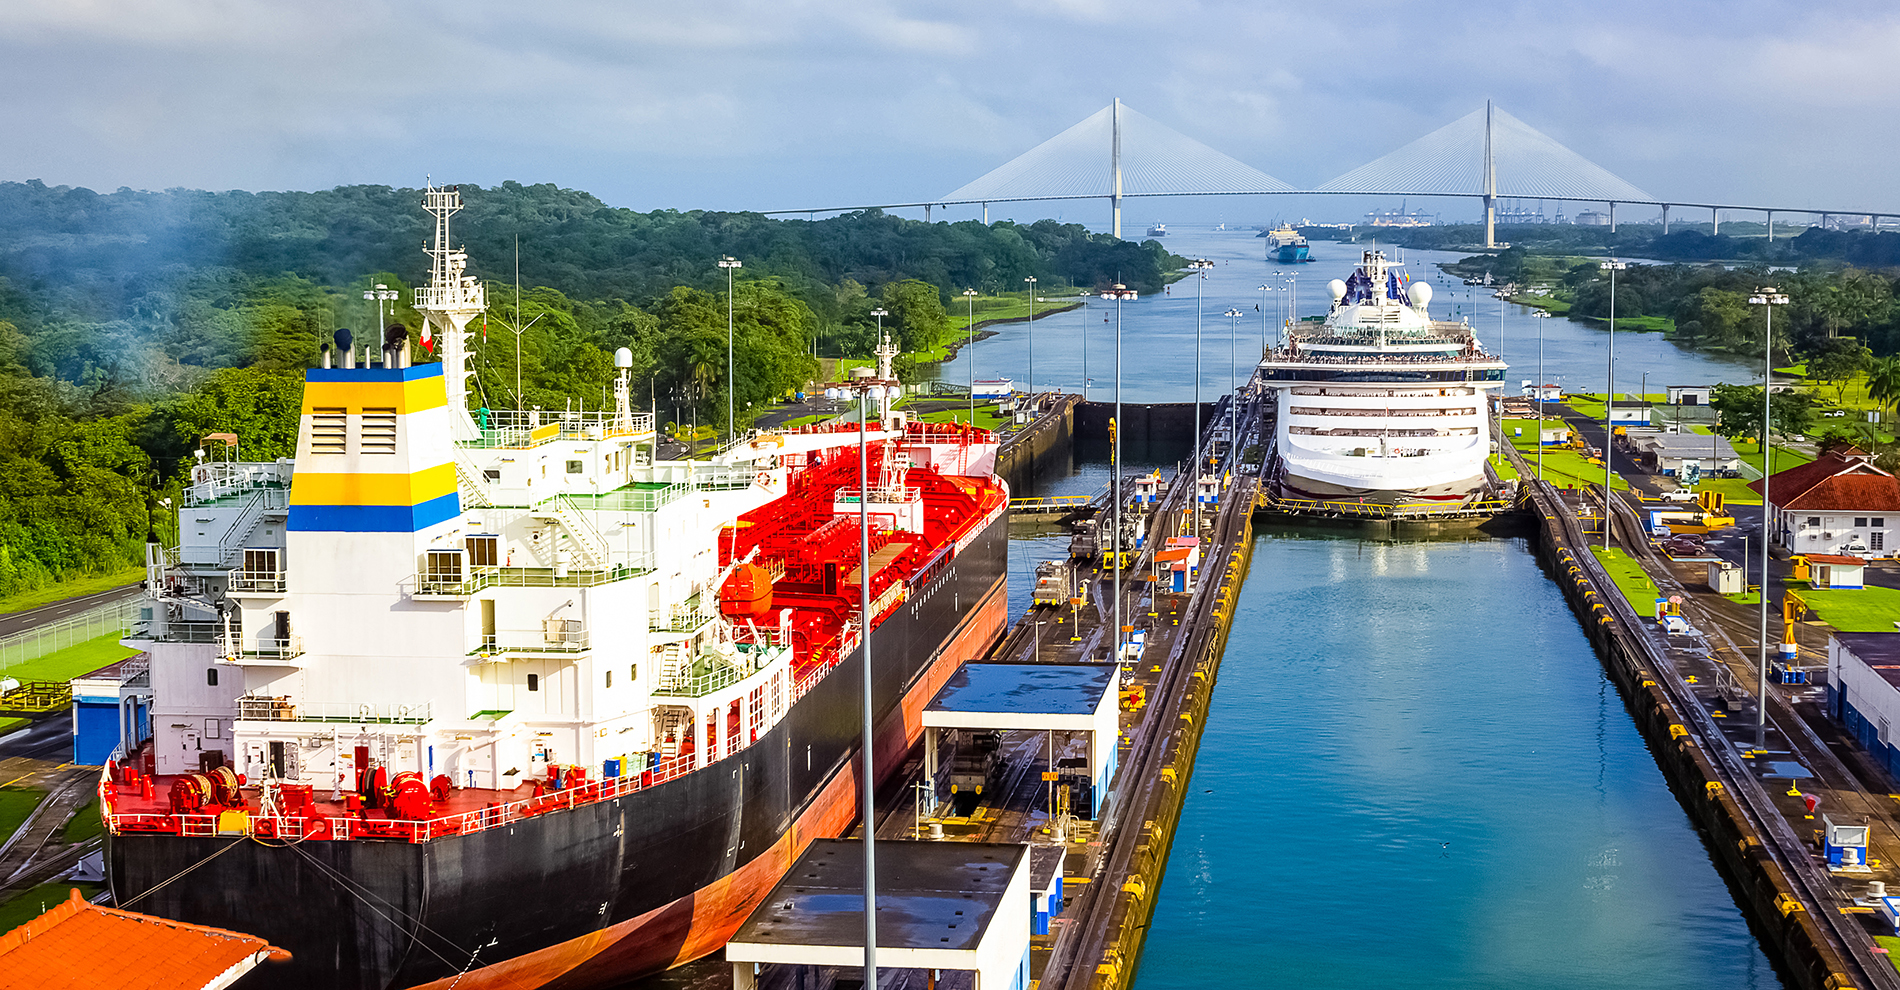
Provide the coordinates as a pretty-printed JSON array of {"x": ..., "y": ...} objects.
[
  {"x": 1540, "y": 398},
  {"x": 866, "y": 387},
  {"x": 381, "y": 293},
  {"x": 732, "y": 382},
  {"x": 1119, "y": 293},
  {"x": 1264, "y": 289},
  {"x": 1083, "y": 311},
  {"x": 1200, "y": 267},
  {"x": 880, "y": 313},
  {"x": 1032, "y": 344},
  {"x": 1767, "y": 298},
  {"x": 1609, "y": 402},
  {"x": 969, "y": 362},
  {"x": 1233, "y": 385}
]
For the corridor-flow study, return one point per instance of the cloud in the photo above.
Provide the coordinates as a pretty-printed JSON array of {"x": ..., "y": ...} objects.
[{"x": 756, "y": 104}]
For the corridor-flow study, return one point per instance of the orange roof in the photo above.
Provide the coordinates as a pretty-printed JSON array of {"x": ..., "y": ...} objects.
[
  {"x": 1834, "y": 483},
  {"x": 1835, "y": 559},
  {"x": 79, "y": 945}
]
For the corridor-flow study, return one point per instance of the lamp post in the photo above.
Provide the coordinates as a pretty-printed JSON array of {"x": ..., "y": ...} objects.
[
  {"x": 969, "y": 363},
  {"x": 866, "y": 386},
  {"x": 880, "y": 313},
  {"x": 730, "y": 264},
  {"x": 1119, "y": 293},
  {"x": 1233, "y": 385},
  {"x": 381, "y": 293},
  {"x": 1609, "y": 402},
  {"x": 1264, "y": 289},
  {"x": 1032, "y": 344},
  {"x": 1767, "y": 298},
  {"x": 1200, "y": 267},
  {"x": 1540, "y": 397},
  {"x": 1083, "y": 311}
]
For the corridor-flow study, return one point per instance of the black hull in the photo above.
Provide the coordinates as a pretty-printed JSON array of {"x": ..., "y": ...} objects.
[{"x": 420, "y": 911}]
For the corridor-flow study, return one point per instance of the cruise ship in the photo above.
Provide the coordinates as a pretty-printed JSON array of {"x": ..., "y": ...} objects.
[
  {"x": 504, "y": 699},
  {"x": 1379, "y": 402}
]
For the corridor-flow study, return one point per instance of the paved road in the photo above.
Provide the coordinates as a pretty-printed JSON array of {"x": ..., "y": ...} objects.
[
  {"x": 14, "y": 622},
  {"x": 48, "y": 740}
]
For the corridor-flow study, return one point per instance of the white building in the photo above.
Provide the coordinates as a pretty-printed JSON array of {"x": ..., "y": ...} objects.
[{"x": 1839, "y": 504}]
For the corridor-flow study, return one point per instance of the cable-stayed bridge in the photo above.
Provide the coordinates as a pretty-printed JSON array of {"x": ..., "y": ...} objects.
[{"x": 1116, "y": 154}]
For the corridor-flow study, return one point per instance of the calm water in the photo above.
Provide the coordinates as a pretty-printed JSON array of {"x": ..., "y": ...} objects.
[
  {"x": 1158, "y": 331},
  {"x": 1391, "y": 795}
]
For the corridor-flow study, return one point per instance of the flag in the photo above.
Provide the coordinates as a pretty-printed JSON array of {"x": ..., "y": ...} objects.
[{"x": 428, "y": 340}]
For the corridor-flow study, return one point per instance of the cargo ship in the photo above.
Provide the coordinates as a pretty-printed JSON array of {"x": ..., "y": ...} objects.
[
  {"x": 1379, "y": 402},
  {"x": 1286, "y": 245},
  {"x": 504, "y": 699}
]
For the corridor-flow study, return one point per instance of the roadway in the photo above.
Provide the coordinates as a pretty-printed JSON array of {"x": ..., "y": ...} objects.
[{"x": 14, "y": 622}]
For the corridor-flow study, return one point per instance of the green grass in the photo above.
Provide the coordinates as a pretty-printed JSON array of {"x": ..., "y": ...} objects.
[
  {"x": 1866, "y": 610},
  {"x": 1629, "y": 578},
  {"x": 66, "y": 664},
  {"x": 15, "y": 804},
  {"x": 12, "y": 723},
  {"x": 32, "y": 903},
  {"x": 24, "y": 600},
  {"x": 1734, "y": 490},
  {"x": 1010, "y": 307},
  {"x": 1563, "y": 466},
  {"x": 1892, "y": 944},
  {"x": 1785, "y": 457},
  {"x": 85, "y": 824}
]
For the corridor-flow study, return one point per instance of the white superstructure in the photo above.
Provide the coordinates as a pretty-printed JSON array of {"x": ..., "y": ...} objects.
[{"x": 1380, "y": 401}]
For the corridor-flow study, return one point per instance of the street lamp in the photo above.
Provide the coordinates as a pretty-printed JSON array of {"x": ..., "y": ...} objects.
[
  {"x": 1609, "y": 402},
  {"x": 381, "y": 294},
  {"x": 969, "y": 362},
  {"x": 732, "y": 381},
  {"x": 1032, "y": 343},
  {"x": 1233, "y": 384},
  {"x": 1119, "y": 293},
  {"x": 1767, "y": 298},
  {"x": 1264, "y": 289},
  {"x": 865, "y": 386},
  {"x": 1200, "y": 266}
]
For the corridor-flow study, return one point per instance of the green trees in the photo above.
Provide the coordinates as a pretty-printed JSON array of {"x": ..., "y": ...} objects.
[{"x": 1739, "y": 410}]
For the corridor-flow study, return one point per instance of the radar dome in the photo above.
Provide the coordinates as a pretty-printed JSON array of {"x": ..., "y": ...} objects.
[
  {"x": 1338, "y": 288},
  {"x": 623, "y": 358},
  {"x": 1421, "y": 295}
]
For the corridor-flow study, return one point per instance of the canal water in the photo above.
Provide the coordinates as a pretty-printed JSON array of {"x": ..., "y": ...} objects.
[
  {"x": 1158, "y": 331},
  {"x": 1415, "y": 774}
]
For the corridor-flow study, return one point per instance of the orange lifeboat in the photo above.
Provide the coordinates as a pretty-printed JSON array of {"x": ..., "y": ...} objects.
[{"x": 747, "y": 593}]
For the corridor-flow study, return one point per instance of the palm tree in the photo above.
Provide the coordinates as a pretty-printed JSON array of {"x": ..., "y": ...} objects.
[{"x": 1883, "y": 382}]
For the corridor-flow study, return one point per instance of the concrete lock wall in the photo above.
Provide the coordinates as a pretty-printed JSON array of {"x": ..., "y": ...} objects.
[
  {"x": 1141, "y": 422},
  {"x": 1788, "y": 932},
  {"x": 1042, "y": 442}
]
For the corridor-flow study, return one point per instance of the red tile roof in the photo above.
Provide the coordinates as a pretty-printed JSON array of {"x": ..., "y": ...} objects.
[
  {"x": 1834, "y": 483},
  {"x": 79, "y": 945},
  {"x": 1835, "y": 559}
]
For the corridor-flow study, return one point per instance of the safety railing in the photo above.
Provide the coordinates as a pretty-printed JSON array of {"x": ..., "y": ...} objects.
[
  {"x": 280, "y": 708},
  {"x": 1373, "y": 510},
  {"x": 687, "y": 616},
  {"x": 257, "y": 582},
  {"x": 453, "y": 586},
  {"x": 520, "y": 429},
  {"x": 114, "y": 618}
]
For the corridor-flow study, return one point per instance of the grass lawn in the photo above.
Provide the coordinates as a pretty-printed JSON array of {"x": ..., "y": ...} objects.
[
  {"x": 1785, "y": 457},
  {"x": 1866, "y": 610},
  {"x": 30, "y": 904},
  {"x": 1734, "y": 490},
  {"x": 1563, "y": 466},
  {"x": 1892, "y": 944},
  {"x": 15, "y": 804},
  {"x": 85, "y": 824},
  {"x": 1630, "y": 579},
  {"x": 24, "y": 600},
  {"x": 13, "y": 723},
  {"x": 61, "y": 665},
  {"x": 1010, "y": 307}
]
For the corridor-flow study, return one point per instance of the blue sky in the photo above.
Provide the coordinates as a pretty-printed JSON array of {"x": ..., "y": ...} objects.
[{"x": 797, "y": 103}]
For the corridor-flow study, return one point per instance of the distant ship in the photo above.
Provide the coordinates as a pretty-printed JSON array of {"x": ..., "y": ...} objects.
[
  {"x": 1158, "y": 230},
  {"x": 1380, "y": 402},
  {"x": 1285, "y": 245}
]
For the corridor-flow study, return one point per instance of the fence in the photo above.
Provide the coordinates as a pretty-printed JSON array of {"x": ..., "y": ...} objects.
[{"x": 103, "y": 620}]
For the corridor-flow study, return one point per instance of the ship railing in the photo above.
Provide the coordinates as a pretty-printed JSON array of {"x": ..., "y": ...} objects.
[
  {"x": 700, "y": 684},
  {"x": 1372, "y": 510},
  {"x": 690, "y": 615},
  {"x": 258, "y": 582},
  {"x": 465, "y": 294},
  {"x": 452, "y": 586},
  {"x": 280, "y": 708},
  {"x": 556, "y": 636},
  {"x": 277, "y": 649},
  {"x": 892, "y": 495},
  {"x": 221, "y": 479},
  {"x": 521, "y": 429}
]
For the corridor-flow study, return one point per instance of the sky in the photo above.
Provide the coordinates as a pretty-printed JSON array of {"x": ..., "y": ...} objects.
[{"x": 803, "y": 104}]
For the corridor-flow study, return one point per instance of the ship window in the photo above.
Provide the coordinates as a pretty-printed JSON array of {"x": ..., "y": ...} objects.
[
  {"x": 444, "y": 566},
  {"x": 211, "y": 676},
  {"x": 534, "y": 682},
  {"x": 575, "y": 467},
  {"x": 379, "y": 430},
  {"x": 328, "y": 431},
  {"x": 483, "y": 550},
  {"x": 491, "y": 474}
]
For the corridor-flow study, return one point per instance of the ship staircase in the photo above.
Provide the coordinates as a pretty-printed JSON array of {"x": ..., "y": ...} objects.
[
  {"x": 259, "y": 504},
  {"x": 585, "y": 539},
  {"x": 469, "y": 482}
]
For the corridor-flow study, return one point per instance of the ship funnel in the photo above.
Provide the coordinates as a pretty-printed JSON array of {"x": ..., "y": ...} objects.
[
  {"x": 1421, "y": 293},
  {"x": 346, "y": 343},
  {"x": 395, "y": 346},
  {"x": 1338, "y": 288},
  {"x": 323, "y": 350}
]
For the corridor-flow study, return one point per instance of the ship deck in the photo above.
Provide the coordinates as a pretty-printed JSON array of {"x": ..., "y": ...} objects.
[{"x": 310, "y": 812}]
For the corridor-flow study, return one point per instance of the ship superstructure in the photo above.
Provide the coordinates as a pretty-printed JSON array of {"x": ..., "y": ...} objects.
[
  {"x": 503, "y": 696},
  {"x": 1286, "y": 245},
  {"x": 1379, "y": 401}
]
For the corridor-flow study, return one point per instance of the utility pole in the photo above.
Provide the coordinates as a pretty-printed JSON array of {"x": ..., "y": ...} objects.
[{"x": 730, "y": 264}]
